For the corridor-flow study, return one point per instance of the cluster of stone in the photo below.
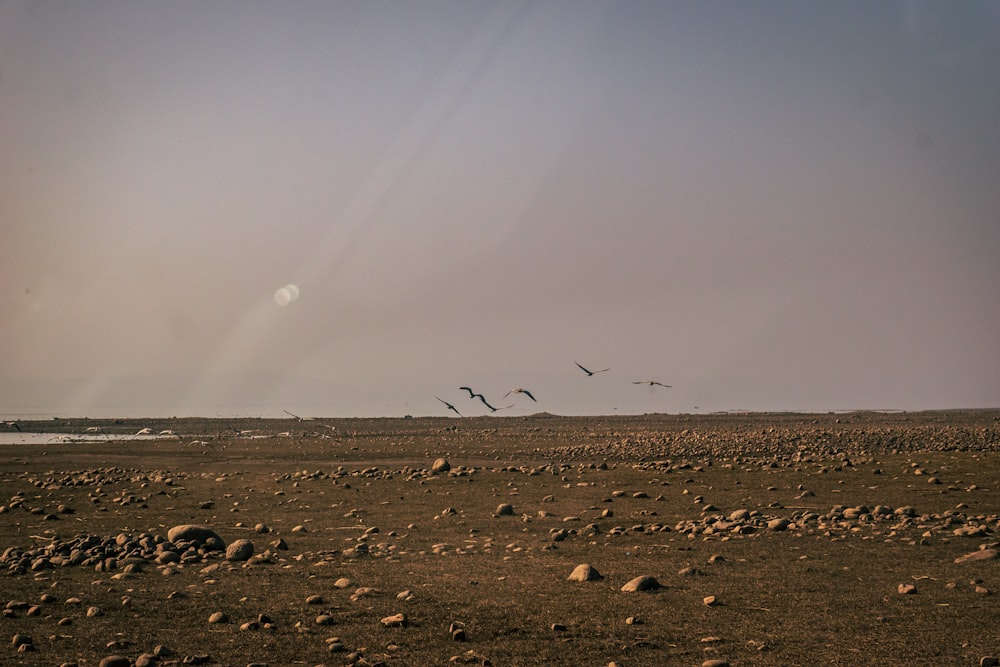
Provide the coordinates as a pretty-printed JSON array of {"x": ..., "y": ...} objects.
[{"x": 126, "y": 553}]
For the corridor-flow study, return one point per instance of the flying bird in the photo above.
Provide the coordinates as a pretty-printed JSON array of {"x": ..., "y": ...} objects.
[
  {"x": 590, "y": 372},
  {"x": 519, "y": 390},
  {"x": 449, "y": 406},
  {"x": 301, "y": 419},
  {"x": 651, "y": 383},
  {"x": 482, "y": 398}
]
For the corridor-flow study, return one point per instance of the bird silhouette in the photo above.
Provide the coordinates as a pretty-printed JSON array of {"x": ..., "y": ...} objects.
[
  {"x": 449, "y": 406},
  {"x": 482, "y": 398},
  {"x": 651, "y": 383},
  {"x": 519, "y": 390},
  {"x": 590, "y": 372},
  {"x": 12, "y": 424}
]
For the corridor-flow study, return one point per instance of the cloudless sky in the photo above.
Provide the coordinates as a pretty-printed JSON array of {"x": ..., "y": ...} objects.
[{"x": 349, "y": 209}]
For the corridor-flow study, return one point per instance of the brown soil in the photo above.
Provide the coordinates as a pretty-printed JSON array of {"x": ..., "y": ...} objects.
[{"x": 869, "y": 502}]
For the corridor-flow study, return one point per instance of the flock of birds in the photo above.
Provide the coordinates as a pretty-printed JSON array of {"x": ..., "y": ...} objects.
[
  {"x": 450, "y": 406},
  {"x": 521, "y": 390}
]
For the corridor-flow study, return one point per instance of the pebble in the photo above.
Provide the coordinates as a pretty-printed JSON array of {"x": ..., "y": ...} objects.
[{"x": 218, "y": 617}]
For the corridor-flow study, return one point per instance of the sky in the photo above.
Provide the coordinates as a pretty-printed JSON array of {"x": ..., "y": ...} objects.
[{"x": 353, "y": 209}]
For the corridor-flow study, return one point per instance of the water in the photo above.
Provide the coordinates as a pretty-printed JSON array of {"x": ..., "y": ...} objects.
[{"x": 17, "y": 438}]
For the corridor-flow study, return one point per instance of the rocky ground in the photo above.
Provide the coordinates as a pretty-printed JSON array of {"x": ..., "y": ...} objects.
[{"x": 849, "y": 539}]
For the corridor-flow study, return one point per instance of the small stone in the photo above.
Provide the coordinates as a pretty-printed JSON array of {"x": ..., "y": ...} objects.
[
  {"x": 906, "y": 589},
  {"x": 239, "y": 551},
  {"x": 982, "y": 554},
  {"x": 715, "y": 663},
  {"x": 440, "y": 465},
  {"x": 325, "y": 619},
  {"x": 777, "y": 524},
  {"x": 20, "y": 640},
  {"x": 989, "y": 661},
  {"x": 314, "y": 599},
  {"x": 218, "y": 617},
  {"x": 394, "y": 621},
  {"x": 708, "y": 600},
  {"x": 505, "y": 509},
  {"x": 585, "y": 572},
  {"x": 558, "y": 627},
  {"x": 641, "y": 583},
  {"x": 115, "y": 661},
  {"x": 94, "y": 612}
]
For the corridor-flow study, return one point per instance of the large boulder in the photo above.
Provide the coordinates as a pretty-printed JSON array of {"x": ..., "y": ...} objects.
[{"x": 202, "y": 535}]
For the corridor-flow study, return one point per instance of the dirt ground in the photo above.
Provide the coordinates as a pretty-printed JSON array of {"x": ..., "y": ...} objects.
[{"x": 771, "y": 539}]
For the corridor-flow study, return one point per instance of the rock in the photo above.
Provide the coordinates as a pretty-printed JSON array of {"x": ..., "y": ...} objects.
[
  {"x": 218, "y": 617},
  {"x": 314, "y": 599},
  {"x": 394, "y": 621},
  {"x": 982, "y": 554},
  {"x": 440, "y": 465},
  {"x": 20, "y": 640},
  {"x": 115, "y": 661},
  {"x": 641, "y": 583},
  {"x": 989, "y": 661},
  {"x": 715, "y": 663},
  {"x": 906, "y": 589},
  {"x": 777, "y": 524},
  {"x": 505, "y": 509},
  {"x": 585, "y": 572},
  {"x": 239, "y": 551},
  {"x": 195, "y": 533},
  {"x": 362, "y": 592}
]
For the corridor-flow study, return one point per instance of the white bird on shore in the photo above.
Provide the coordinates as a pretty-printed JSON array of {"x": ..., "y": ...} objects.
[
  {"x": 13, "y": 424},
  {"x": 590, "y": 372},
  {"x": 144, "y": 431},
  {"x": 519, "y": 390}
]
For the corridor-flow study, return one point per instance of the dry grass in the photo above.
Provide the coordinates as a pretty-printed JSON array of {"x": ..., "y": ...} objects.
[{"x": 819, "y": 593}]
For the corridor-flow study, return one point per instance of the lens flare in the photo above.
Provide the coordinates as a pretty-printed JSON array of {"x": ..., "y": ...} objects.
[{"x": 286, "y": 294}]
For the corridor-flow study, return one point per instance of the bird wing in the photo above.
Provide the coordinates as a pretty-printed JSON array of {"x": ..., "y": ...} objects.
[
  {"x": 583, "y": 369},
  {"x": 528, "y": 394}
]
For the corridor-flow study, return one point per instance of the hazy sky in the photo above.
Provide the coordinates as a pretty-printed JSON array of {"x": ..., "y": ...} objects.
[{"x": 768, "y": 205}]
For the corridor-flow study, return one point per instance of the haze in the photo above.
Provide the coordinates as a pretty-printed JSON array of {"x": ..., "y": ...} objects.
[{"x": 350, "y": 209}]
